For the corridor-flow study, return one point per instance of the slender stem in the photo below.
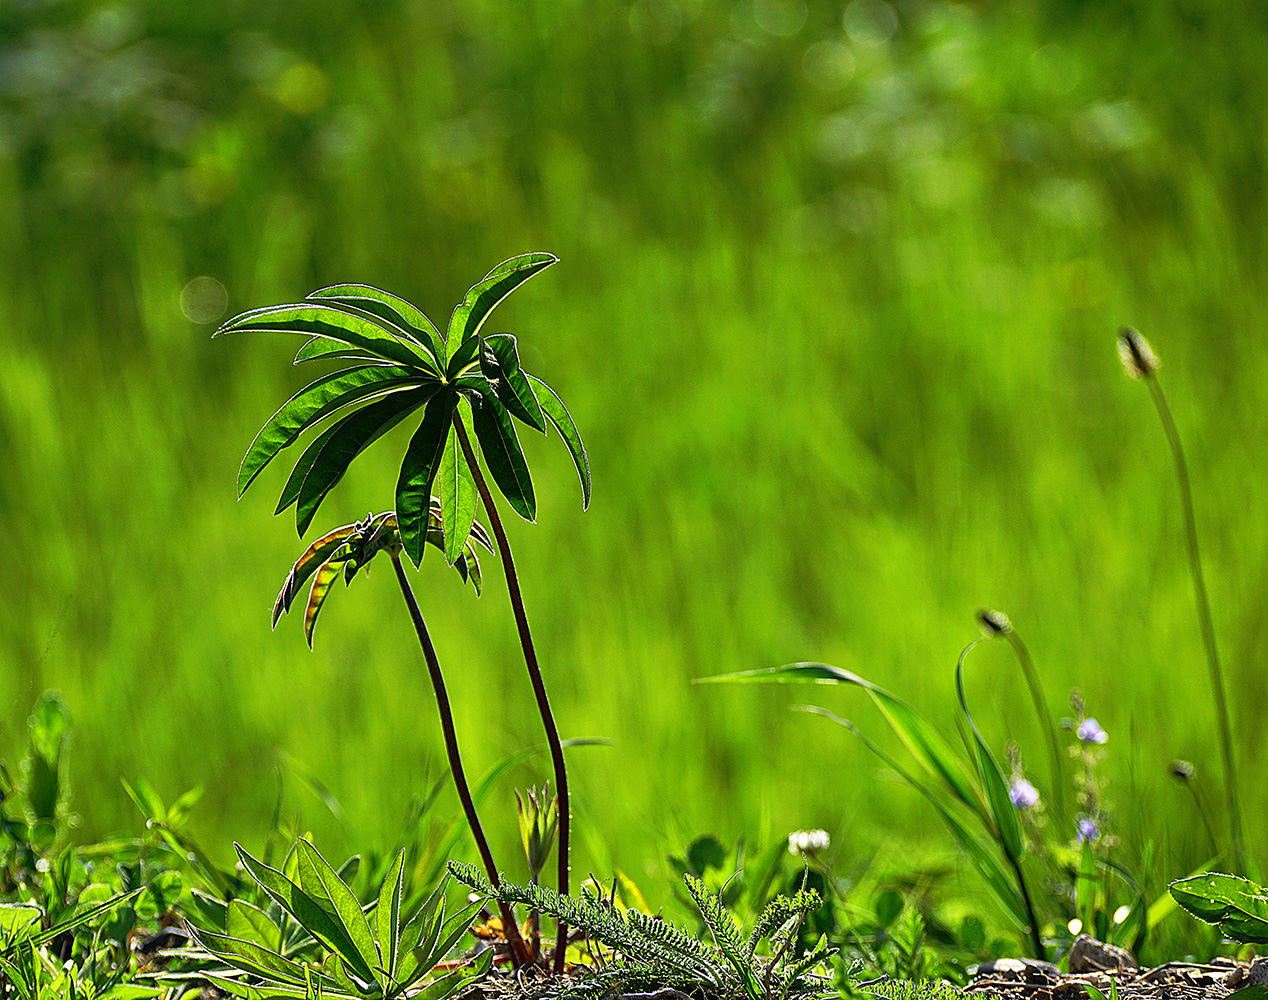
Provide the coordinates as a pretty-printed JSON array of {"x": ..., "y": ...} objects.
[
  {"x": 1045, "y": 721},
  {"x": 1205, "y": 622},
  {"x": 534, "y": 672},
  {"x": 1035, "y": 938},
  {"x": 509, "y": 926}
]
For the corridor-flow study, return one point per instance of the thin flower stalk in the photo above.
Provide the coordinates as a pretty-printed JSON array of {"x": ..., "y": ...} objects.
[
  {"x": 1141, "y": 364},
  {"x": 534, "y": 672},
  {"x": 509, "y": 925}
]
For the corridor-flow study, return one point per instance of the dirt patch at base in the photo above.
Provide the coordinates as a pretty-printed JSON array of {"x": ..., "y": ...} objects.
[{"x": 1014, "y": 979}]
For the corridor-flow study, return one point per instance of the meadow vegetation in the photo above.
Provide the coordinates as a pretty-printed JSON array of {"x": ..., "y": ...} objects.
[{"x": 836, "y": 309}]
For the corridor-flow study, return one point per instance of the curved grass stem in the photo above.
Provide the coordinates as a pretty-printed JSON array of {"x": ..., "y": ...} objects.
[
  {"x": 509, "y": 925},
  {"x": 1036, "y": 938},
  {"x": 1205, "y": 621},
  {"x": 1045, "y": 723},
  {"x": 534, "y": 671}
]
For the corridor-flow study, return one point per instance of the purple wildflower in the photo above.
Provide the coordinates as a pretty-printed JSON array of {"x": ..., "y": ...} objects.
[
  {"x": 1024, "y": 795},
  {"x": 1090, "y": 731},
  {"x": 1089, "y": 832}
]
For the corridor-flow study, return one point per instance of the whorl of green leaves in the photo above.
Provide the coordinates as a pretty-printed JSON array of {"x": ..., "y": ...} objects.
[
  {"x": 366, "y": 954},
  {"x": 400, "y": 365}
]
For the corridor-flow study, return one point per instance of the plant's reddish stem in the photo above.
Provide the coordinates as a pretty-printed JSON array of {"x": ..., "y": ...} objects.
[
  {"x": 509, "y": 926},
  {"x": 534, "y": 673}
]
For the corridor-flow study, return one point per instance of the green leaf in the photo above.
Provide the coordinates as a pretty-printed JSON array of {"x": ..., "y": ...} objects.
[
  {"x": 1007, "y": 824},
  {"x": 250, "y": 957},
  {"x": 325, "y": 576},
  {"x": 314, "y": 556},
  {"x": 352, "y": 435},
  {"x": 307, "y": 912},
  {"x": 146, "y": 799},
  {"x": 463, "y": 359},
  {"x": 323, "y": 884},
  {"x": 987, "y": 865},
  {"x": 325, "y": 349},
  {"x": 334, "y": 323},
  {"x": 1239, "y": 906},
  {"x": 554, "y": 408},
  {"x": 481, "y": 298},
  {"x": 918, "y": 736},
  {"x": 17, "y": 918},
  {"x": 452, "y": 983},
  {"x": 500, "y": 364},
  {"x": 501, "y": 447},
  {"x": 458, "y": 495},
  {"x": 392, "y": 308},
  {"x": 418, "y": 472},
  {"x": 387, "y": 915},
  {"x": 250, "y": 923},
  {"x": 312, "y": 403},
  {"x": 295, "y": 481}
]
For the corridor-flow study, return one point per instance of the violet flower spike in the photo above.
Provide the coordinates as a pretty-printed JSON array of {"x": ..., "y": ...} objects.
[
  {"x": 1089, "y": 832},
  {"x": 1090, "y": 731},
  {"x": 1023, "y": 794}
]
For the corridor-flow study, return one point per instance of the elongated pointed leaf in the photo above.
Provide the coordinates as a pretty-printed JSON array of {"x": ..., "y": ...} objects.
[
  {"x": 250, "y": 957},
  {"x": 987, "y": 865},
  {"x": 500, "y": 363},
  {"x": 921, "y": 739},
  {"x": 418, "y": 472},
  {"x": 312, "y": 403},
  {"x": 1007, "y": 822},
  {"x": 501, "y": 447},
  {"x": 325, "y": 576},
  {"x": 306, "y": 910},
  {"x": 352, "y": 435},
  {"x": 323, "y": 884},
  {"x": 387, "y": 915},
  {"x": 392, "y": 308},
  {"x": 319, "y": 552},
  {"x": 453, "y": 982},
  {"x": 480, "y": 299},
  {"x": 463, "y": 358},
  {"x": 324, "y": 349},
  {"x": 1239, "y": 906},
  {"x": 351, "y": 326},
  {"x": 554, "y": 408},
  {"x": 457, "y": 489},
  {"x": 250, "y": 923}
]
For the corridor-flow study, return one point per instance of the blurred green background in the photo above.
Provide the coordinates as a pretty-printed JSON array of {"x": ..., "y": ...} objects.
[{"x": 835, "y": 315}]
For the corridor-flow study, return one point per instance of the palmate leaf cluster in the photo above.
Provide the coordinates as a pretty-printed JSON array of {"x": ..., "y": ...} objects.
[
  {"x": 350, "y": 548},
  {"x": 363, "y": 953},
  {"x": 400, "y": 364},
  {"x": 652, "y": 952}
]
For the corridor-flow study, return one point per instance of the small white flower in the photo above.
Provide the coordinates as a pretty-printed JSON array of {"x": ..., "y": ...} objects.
[{"x": 808, "y": 842}]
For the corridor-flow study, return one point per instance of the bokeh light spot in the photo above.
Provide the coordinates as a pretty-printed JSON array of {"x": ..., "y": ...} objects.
[{"x": 204, "y": 300}]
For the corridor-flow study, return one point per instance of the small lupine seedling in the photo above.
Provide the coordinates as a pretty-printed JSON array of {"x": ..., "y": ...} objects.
[
  {"x": 1238, "y": 906},
  {"x": 465, "y": 384},
  {"x": 367, "y": 955},
  {"x": 349, "y": 549},
  {"x": 1141, "y": 364}
]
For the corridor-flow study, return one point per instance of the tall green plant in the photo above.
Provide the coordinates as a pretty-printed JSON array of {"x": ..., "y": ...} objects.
[
  {"x": 464, "y": 384},
  {"x": 1140, "y": 363}
]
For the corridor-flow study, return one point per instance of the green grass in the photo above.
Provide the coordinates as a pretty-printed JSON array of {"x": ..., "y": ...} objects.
[{"x": 832, "y": 406}]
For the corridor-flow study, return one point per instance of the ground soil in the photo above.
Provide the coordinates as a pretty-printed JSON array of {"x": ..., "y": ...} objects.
[{"x": 1173, "y": 981}]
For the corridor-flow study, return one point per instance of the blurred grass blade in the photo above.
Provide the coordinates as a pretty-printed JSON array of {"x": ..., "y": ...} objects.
[
  {"x": 352, "y": 435},
  {"x": 311, "y": 404},
  {"x": 918, "y": 736},
  {"x": 392, "y": 308},
  {"x": 502, "y": 451},
  {"x": 1007, "y": 822},
  {"x": 500, "y": 363},
  {"x": 993, "y": 874},
  {"x": 458, "y": 495},
  {"x": 313, "y": 319},
  {"x": 558, "y": 414},
  {"x": 483, "y": 296},
  {"x": 418, "y": 472}
]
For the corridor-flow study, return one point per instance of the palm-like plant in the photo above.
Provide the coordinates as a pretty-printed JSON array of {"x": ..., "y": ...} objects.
[
  {"x": 464, "y": 383},
  {"x": 349, "y": 549}
]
